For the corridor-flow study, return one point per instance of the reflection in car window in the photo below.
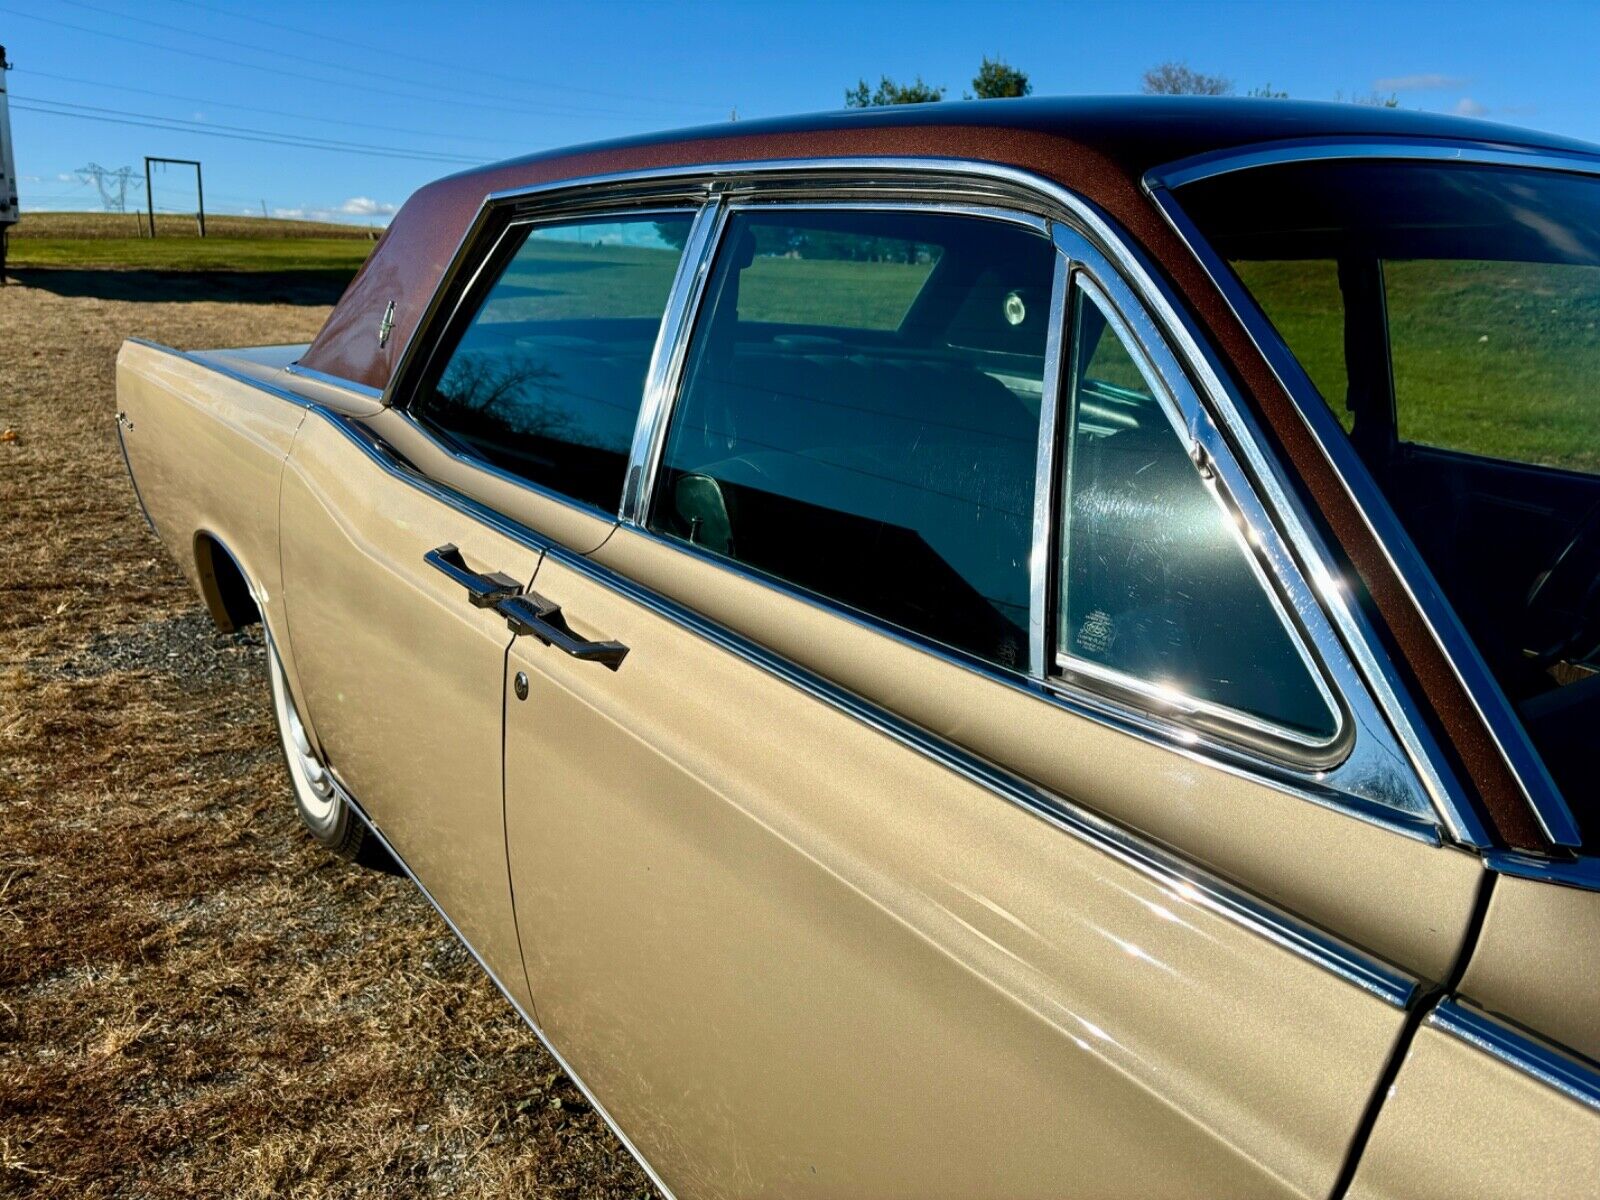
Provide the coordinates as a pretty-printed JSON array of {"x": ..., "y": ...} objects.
[
  {"x": 860, "y": 416},
  {"x": 1156, "y": 583},
  {"x": 1458, "y": 338},
  {"x": 547, "y": 379}
]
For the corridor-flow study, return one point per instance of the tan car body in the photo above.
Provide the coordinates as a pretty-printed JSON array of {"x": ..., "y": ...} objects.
[{"x": 811, "y": 911}]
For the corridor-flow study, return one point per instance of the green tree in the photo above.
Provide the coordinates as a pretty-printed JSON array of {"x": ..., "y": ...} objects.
[
  {"x": 1178, "y": 79},
  {"x": 997, "y": 80},
  {"x": 890, "y": 92}
]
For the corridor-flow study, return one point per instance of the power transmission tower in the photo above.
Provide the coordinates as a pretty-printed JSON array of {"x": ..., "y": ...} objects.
[{"x": 112, "y": 185}]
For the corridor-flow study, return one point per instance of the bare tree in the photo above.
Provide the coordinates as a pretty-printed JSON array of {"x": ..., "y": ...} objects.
[{"x": 1179, "y": 79}]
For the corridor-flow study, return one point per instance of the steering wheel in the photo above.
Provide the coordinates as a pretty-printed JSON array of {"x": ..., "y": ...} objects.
[{"x": 1562, "y": 612}]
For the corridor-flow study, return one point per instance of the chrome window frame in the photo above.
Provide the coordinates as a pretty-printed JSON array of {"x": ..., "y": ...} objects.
[
  {"x": 1181, "y": 408},
  {"x": 472, "y": 290},
  {"x": 653, "y": 441},
  {"x": 1472, "y": 672},
  {"x": 1393, "y": 775},
  {"x": 1074, "y": 257}
]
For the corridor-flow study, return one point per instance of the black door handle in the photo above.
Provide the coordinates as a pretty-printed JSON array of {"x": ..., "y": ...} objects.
[
  {"x": 484, "y": 591},
  {"x": 530, "y": 614}
]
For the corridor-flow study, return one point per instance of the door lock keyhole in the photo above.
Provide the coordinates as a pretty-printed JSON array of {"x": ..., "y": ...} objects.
[{"x": 520, "y": 685}]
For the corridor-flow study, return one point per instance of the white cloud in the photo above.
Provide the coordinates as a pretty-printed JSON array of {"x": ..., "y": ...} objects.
[
  {"x": 1426, "y": 81},
  {"x": 1468, "y": 107},
  {"x": 365, "y": 206},
  {"x": 66, "y": 177},
  {"x": 357, "y": 209}
]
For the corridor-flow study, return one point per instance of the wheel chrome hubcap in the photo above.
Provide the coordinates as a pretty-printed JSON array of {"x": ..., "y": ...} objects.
[{"x": 312, "y": 784}]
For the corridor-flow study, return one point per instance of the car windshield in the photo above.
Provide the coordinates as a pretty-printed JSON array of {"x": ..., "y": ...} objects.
[{"x": 1449, "y": 315}]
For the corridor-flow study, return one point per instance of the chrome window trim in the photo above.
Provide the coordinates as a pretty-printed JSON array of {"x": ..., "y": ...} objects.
[
  {"x": 688, "y": 306},
  {"x": 1397, "y": 781},
  {"x": 1073, "y": 253},
  {"x": 1493, "y": 708},
  {"x": 1372, "y": 975},
  {"x": 1041, "y": 559},
  {"x": 349, "y": 385},
  {"x": 666, "y": 361},
  {"x": 1572, "y": 1077},
  {"x": 1180, "y": 405},
  {"x": 512, "y": 229},
  {"x": 1443, "y": 150},
  {"x": 1579, "y": 871},
  {"x": 757, "y": 202}
]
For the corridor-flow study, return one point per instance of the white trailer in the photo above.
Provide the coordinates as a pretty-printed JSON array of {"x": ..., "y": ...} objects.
[{"x": 8, "y": 169}]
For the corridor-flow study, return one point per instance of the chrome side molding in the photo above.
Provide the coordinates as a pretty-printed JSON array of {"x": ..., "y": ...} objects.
[
  {"x": 1385, "y": 982},
  {"x": 338, "y": 381},
  {"x": 1571, "y": 1076}
]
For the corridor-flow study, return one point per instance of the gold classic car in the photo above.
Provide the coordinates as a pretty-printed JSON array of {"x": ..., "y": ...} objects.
[{"x": 1030, "y": 649}]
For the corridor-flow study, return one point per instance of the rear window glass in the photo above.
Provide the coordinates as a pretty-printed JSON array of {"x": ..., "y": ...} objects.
[{"x": 547, "y": 378}]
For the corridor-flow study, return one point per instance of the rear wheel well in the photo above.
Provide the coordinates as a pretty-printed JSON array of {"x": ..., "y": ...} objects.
[{"x": 223, "y": 585}]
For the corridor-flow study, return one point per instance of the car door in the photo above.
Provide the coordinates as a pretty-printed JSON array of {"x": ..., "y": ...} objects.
[
  {"x": 805, "y": 796},
  {"x": 397, "y": 545}
]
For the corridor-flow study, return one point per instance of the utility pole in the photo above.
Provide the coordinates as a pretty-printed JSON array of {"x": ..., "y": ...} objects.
[{"x": 9, "y": 208}]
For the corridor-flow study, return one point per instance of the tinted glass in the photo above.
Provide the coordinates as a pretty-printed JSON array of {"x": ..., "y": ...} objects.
[
  {"x": 1497, "y": 358},
  {"x": 547, "y": 379},
  {"x": 1460, "y": 344},
  {"x": 860, "y": 416},
  {"x": 1155, "y": 582}
]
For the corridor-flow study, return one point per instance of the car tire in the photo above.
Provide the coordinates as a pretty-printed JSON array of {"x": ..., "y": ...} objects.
[{"x": 324, "y": 809}]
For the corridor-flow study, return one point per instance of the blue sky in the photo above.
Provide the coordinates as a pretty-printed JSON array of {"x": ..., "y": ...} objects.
[{"x": 445, "y": 85}]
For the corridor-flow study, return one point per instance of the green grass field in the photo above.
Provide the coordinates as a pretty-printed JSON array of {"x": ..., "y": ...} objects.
[
  {"x": 1497, "y": 359},
  {"x": 551, "y": 280},
  {"x": 252, "y": 244}
]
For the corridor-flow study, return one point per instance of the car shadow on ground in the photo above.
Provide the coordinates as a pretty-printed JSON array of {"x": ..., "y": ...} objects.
[{"x": 237, "y": 287}]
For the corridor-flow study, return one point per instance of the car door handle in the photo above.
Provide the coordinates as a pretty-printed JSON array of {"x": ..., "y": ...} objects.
[
  {"x": 484, "y": 591},
  {"x": 532, "y": 615}
]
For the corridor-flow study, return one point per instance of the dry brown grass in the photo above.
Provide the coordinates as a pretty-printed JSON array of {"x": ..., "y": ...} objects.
[{"x": 194, "y": 999}]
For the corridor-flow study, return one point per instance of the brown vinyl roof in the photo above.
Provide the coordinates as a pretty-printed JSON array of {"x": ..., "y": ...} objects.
[{"x": 1099, "y": 147}]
